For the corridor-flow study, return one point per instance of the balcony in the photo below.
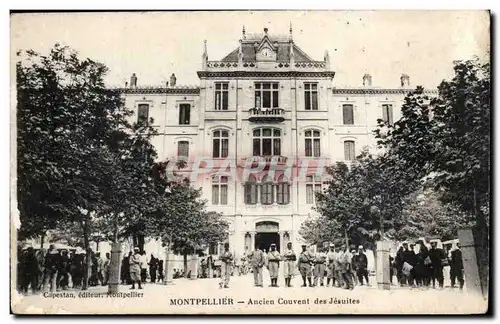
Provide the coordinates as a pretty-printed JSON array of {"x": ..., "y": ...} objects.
[
  {"x": 266, "y": 115},
  {"x": 267, "y": 159}
]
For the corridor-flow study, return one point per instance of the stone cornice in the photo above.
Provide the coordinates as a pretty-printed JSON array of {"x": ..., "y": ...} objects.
[
  {"x": 159, "y": 90},
  {"x": 368, "y": 91},
  {"x": 260, "y": 74}
]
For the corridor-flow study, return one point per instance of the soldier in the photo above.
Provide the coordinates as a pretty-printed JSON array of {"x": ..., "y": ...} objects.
[
  {"x": 457, "y": 267},
  {"x": 437, "y": 256},
  {"x": 52, "y": 265},
  {"x": 319, "y": 267},
  {"x": 345, "y": 268},
  {"x": 257, "y": 261},
  {"x": 273, "y": 259},
  {"x": 330, "y": 265},
  {"x": 227, "y": 265},
  {"x": 362, "y": 265},
  {"x": 354, "y": 266},
  {"x": 135, "y": 268},
  {"x": 289, "y": 264},
  {"x": 304, "y": 265},
  {"x": 339, "y": 253}
]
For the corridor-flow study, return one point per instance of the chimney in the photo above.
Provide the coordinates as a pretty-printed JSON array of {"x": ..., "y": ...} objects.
[
  {"x": 126, "y": 84},
  {"x": 173, "y": 79},
  {"x": 133, "y": 81},
  {"x": 204, "y": 56},
  {"x": 405, "y": 80},
  {"x": 367, "y": 80},
  {"x": 327, "y": 60}
]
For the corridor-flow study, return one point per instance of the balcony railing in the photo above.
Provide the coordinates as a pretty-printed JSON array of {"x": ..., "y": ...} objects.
[
  {"x": 267, "y": 115},
  {"x": 263, "y": 158}
]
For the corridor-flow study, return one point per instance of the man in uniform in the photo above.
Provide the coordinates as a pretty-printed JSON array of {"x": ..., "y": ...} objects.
[
  {"x": 330, "y": 265},
  {"x": 289, "y": 264},
  {"x": 362, "y": 265},
  {"x": 457, "y": 267},
  {"x": 273, "y": 259},
  {"x": 135, "y": 268},
  {"x": 437, "y": 256},
  {"x": 319, "y": 267},
  {"x": 257, "y": 261},
  {"x": 339, "y": 254},
  {"x": 345, "y": 268},
  {"x": 304, "y": 264},
  {"x": 226, "y": 267}
]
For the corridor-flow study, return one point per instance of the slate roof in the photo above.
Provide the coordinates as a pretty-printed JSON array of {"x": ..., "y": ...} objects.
[{"x": 283, "y": 49}]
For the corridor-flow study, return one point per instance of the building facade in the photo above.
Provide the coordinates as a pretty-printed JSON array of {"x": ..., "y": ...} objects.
[{"x": 270, "y": 116}]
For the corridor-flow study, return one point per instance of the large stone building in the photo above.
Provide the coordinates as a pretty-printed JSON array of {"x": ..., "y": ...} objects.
[{"x": 266, "y": 99}]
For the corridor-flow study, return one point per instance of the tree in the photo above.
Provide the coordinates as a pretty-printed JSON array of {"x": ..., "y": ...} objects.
[{"x": 79, "y": 159}]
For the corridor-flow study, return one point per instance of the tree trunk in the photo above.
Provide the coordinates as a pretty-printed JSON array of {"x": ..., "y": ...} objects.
[
  {"x": 42, "y": 237},
  {"x": 185, "y": 264},
  {"x": 114, "y": 265},
  {"x": 88, "y": 256},
  {"x": 140, "y": 242},
  {"x": 482, "y": 240}
]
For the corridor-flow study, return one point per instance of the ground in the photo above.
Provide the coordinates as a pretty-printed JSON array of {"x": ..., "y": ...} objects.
[{"x": 204, "y": 296}]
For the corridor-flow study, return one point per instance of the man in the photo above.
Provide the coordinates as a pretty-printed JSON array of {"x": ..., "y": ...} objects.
[
  {"x": 257, "y": 262},
  {"x": 100, "y": 263},
  {"x": 52, "y": 264},
  {"x": 153, "y": 267},
  {"x": 135, "y": 268},
  {"x": 437, "y": 255},
  {"x": 77, "y": 267},
  {"x": 319, "y": 267},
  {"x": 409, "y": 262},
  {"x": 330, "y": 265},
  {"x": 362, "y": 265},
  {"x": 64, "y": 270},
  {"x": 226, "y": 267},
  {"x": 457, "y": 267},
  {"x": 105, "y": 268},
  {"x": 289, "y": 264},
  {"x": 337, "y": 265},
  {"x": 29, "y": 266},
  {"x": 273, "y": 259},
  {"x": 354, "y": 266},
  {"x": 304, "y": 264},
  {"x": 345, "y": 268},
  {"x": 144, "y": 265}
]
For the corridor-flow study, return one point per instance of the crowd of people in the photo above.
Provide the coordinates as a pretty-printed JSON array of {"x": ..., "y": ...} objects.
[
  {"x": 55, "y": 269},
  {"x": 420, "y": 269}
]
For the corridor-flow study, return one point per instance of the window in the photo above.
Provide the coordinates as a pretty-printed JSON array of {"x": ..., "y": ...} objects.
[
  {"x": 219, "y": 190},
  {"x": 349, "y": 152},
  {"x": 387, "y": 114},
  {"x": 266, "y": 95},
  {"x": 311, "y": 96},
  {"x": 283, "y": 191},
  {"x": 267, "y": 191},
  {"x": 348, "y": 114},
  {"x": 184, "y": 114},
  {"x": 313, "y": 185},
  {"x": 143, "y": 113},
  {"x": 312, "y": 143},
  {"x": 266, "y": 141},
  {"x": 183, "y": 149},
  {"x": 220, "y": 143},
  {"x": 221, "y": 96},
  {"x": 251, "y": 191}
]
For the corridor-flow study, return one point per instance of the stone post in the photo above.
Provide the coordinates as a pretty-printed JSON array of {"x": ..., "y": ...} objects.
[
  {"x": 114, "y": 268},
  {"x": 469, "y": 244},
  {"x": 194, "y": 267},
  {"x": 282, "y": 248},
  {"x": 167, "y": 279},
  {"x": 383, "y": 266},
  {"x": 252, "y": 238},
  {"x": 210, "y": 270}
]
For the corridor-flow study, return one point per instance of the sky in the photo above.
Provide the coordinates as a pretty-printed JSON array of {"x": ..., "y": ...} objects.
[{"x": 422, "y": 44}]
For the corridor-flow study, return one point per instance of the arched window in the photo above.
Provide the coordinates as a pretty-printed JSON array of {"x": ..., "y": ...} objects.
[
  {"x": 283, "y": 191},
  {"x": 220, "y": 143},
  {"x": 313, "y": 142},
  {"x": 267, "y": 191},
  {"x": 183, "y": 149},
  {"x": 251, "y": 190},
  {"x": 266, "y": 142},
  {"x": 313, "y": 185},
  {"x": 219, "y": 190},
  {"x": 349, "y": 150}
]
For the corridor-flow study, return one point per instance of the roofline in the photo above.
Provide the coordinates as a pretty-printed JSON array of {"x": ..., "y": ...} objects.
[
  {"x": 159, "y": 89},
  {"x": 257, "y": 74},
  {"x": 379, "y": 91}
]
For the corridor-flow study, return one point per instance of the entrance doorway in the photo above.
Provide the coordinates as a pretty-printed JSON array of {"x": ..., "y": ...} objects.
[{"x": 263, "y": 241}]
